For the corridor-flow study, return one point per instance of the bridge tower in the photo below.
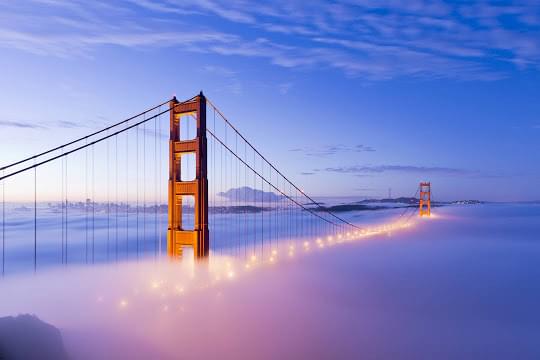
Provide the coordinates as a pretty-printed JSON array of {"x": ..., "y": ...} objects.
[
  {"x": 177, "y": 234},
  {"x": 425, "y": 199}
]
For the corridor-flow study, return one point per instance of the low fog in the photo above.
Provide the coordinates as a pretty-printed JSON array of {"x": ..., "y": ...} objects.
[{"x": 459, "y": 285}]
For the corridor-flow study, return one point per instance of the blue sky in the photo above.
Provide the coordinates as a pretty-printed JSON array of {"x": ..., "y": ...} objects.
[{"x": 349, "y": 97}]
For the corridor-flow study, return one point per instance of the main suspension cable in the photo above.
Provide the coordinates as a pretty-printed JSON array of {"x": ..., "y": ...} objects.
[
  {"x": 82, "y": 138},
  {"x": 275, "y": 169},
  {"x": 85, "y": 145},
  {"x": 264, "y": 179}
]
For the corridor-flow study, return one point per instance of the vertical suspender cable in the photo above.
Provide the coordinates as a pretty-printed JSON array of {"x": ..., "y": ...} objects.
[
  {"x": 93, "y": 204},
  {"x": 271, "y": 206},
  {"x": 213, "y": 177},
  {"x": 221, "y": 180},
  {"x": 137, "y": 191},
  {"x": 3, "y": 225},
  {"x": 155, "y": 190},
  {"x": 67, "y": 207},
  {"x": 160, "y": 189},
  {"x": 245, "y": 201},
  {"x": 116, "y": 198},
  {"x": 286, "y": 213},
  {"x": 35, "y": 219},
  {"x": 226, "y": 167},
  {"x": 275, "y": 205},
  {"x": 62, "y": 201},
  {"x": 86, "y": 200},
  {"x": 108, "y": 197},
  {"x": 254, "y": 204},
  {"x": 127, "y": 191},
  {"x": 144, "y": 185},
  {"x": 237, "y": 234},
  {"x": 262, "y": 209},
  {"x": 297, "y": 220},
  {"x": 291, "y": 209}
]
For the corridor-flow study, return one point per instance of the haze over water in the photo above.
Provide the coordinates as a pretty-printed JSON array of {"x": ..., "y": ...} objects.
[{"x": 459, "y": 285}]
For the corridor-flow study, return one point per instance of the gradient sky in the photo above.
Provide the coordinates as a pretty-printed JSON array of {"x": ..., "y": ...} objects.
[{"x": 348, "y": 97}]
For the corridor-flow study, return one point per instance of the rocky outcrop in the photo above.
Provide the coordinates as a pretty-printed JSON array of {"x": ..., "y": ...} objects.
[{"x": 27, "y": 337}]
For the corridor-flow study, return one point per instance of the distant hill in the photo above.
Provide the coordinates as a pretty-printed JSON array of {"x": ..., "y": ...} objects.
[
  {"x": 350, "y": 207},
  {"x": 466, "y": 202},
  {"x": 26, "y": 337},
  {"x": 399, "y": 200},
  {"x": 390, "y": 203}
]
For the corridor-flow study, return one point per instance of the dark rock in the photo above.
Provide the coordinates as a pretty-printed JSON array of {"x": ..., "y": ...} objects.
[{"x": 26, "y": 337}]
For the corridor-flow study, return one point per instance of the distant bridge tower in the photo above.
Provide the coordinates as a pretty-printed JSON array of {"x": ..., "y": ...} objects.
[
  {"x": 425, "y": 199},
  {"x": 177, "y": 235}
]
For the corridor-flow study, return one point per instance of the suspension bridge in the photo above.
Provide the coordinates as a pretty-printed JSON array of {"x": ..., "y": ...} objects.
[{"x": 101, "y": 197}]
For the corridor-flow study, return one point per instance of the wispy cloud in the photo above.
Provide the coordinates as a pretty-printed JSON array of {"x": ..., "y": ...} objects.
[
  {"x": 375, "y": 169},
  {"x": 284, "y": 88},
  {"x": 69, "y": 124},
  {"x": 364, "y": 189},
  {"x": 219, "y": 70},
  {"x": 329, "y": 150},
  {"x": 375, "y": 40},
  {"x": 41, "y": 125},
  {"x": 20, "y": 124},
  {"x": 233, "y": 85}
]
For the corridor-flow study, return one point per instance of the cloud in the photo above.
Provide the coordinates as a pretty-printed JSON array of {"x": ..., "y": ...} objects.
[
  {"x": 364, "y": 189},
  {"x": 373, "y": 40},
  {"x": 41, "y": 125},
  {"x": 233, "y": 83},
  {"x": 307, "y": 173},
  {"x": 21, "y": 124},
  {"x": 69, "y": 124},
  {"x": 329, "y": 150},
  {"x": 219, "y": 70},
  {"x": 249, "y": 194},
  {"x": 284, "y": 88},
  {"x": 361, "y": 170}
]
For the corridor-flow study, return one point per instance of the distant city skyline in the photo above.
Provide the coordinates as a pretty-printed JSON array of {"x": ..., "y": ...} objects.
[{"x": 349, "y": 98}]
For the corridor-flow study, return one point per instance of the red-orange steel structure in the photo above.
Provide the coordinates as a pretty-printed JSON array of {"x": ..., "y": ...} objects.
[
  {"x": 425, "y": 199},
  {"x": 177, "y": 236}
]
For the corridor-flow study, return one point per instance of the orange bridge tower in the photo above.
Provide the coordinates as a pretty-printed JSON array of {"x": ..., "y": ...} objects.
[
  {"x": 178, "y": 235},
  {"x": 425, "y": 199}
]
